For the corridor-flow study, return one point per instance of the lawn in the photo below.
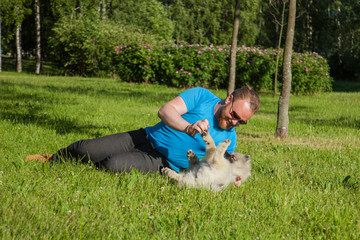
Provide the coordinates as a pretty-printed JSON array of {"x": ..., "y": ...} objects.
[{"x": 305, "y": 187}]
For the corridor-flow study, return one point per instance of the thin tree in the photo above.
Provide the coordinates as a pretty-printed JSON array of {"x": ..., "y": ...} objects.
[
  {"x": 18, "y": 43},
  {"x": 102, "y": 9},
  {"x": 309, "y": 26},
  {"x": 38, "y": 37},
  {"x": 231, "y": 86},
  {"x": 281, "y": 24},
  {"x": 282, "y": 128},
  {"x": 0, "y": 42}
]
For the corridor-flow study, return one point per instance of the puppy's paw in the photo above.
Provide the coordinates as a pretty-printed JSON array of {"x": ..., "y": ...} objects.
[
  {"x": 166, "y": 171},
  {"x": 224, "y": 144},
  {"x": 190, "y": 154},
  {"x": 171, "y": 174},
  {"x": 228, "y": 141},
  {"x": 206, "y": 137},
  {"x": 205, "y": 133},
  {"x": 193, "y": 159}
]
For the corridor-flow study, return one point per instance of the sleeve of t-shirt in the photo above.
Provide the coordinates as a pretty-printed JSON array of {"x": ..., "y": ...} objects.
[
  {"x": 232, "y": 146},
  {"x": 195, "y": 96}
]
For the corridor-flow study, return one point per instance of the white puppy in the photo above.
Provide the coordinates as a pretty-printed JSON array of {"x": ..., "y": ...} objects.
[{"x": 217, "y": 171}]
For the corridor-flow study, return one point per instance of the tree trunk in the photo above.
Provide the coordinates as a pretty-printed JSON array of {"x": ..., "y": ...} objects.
[
  {"x": 231, "y": 86},
  {"x": 18, "y": 49},
  {"x": 282, "y": 128},
  {"x": 338, "y": 23},
  {"x": 0, "y": 43},
  {"x": 103, "y": 9},
  {"x": 278, "y": 48},
  {"x": 38, "y": 38},
  {"x": 309, "y": 29}
]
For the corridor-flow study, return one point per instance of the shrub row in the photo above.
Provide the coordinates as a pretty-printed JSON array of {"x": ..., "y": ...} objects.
[
  {"x": 199, "y": 65},
  {"x": 83, "y": 46}
]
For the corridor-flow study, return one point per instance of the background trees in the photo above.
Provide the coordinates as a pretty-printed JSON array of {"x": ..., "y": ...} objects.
[
  {"x": 329, "y": 27},
  {"x": 13, "y": 15}
]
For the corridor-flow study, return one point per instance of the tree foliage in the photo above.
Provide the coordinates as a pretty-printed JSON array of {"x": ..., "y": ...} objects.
[
  {"x": 150, "y": 15},
  {"x": 211, "y": 21},
  {"x": 329, "y": 27},
  {"x": 13, "y": 14}
]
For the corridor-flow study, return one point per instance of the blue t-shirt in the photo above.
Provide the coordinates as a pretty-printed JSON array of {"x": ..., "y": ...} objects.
[{"x": 174, "y": 145}]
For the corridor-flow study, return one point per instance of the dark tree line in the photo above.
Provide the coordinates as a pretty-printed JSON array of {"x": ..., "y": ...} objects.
[{"x": 328, "y": 27}]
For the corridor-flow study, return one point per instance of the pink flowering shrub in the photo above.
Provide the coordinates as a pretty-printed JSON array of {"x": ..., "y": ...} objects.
[
  {"x": 198, "y": 65},
  {"x": 134, "y": 63},
  {"x": 310, "y": 73},
  {"x": 256, "y": 67}
]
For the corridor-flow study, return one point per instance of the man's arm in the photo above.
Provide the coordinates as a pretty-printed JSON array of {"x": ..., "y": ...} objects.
[{"x": 170, "y": 113}]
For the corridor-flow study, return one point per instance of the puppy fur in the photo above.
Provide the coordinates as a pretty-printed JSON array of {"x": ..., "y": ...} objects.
[{"x": 217, "y": 171}]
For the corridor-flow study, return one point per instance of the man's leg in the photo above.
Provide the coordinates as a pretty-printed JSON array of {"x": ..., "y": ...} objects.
[
  {"x": 118, "y": 152},
  {"x": 98, "y": 149},
  {"x": 150, "y": 161}
]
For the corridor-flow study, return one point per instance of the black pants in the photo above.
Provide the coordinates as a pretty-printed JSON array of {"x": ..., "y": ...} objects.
[{"x": 118, "y": 152}]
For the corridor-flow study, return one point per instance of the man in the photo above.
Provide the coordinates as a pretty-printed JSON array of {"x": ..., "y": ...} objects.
[{"x": 166, "y": 143}]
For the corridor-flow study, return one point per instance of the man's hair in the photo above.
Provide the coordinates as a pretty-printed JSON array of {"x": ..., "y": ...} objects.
[{"x": 247, "y": 93}]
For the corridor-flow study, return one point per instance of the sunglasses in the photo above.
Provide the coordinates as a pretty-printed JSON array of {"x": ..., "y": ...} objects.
[{"x": 236, "y": 117}]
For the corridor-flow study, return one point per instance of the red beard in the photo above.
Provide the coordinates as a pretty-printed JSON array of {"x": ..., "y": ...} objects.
[{"x": 224, "y": 121}]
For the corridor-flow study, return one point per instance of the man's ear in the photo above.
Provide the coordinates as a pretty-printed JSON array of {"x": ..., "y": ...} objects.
[{"x": 229, "y": 99}]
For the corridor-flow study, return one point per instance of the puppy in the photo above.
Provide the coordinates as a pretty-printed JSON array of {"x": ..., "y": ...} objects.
[{"x": 217, "y": 172}]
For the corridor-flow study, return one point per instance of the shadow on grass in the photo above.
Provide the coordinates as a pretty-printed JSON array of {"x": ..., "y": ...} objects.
[
  {"x": 61, "y": 125},
  {"x": 24, "y": 108},
  {"x": 137, "y": 92},
  {"x": 29, "y": 66},
  {"x": 31, "y": 109}
]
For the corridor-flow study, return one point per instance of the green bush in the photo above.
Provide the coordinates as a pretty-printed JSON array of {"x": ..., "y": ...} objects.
[
  {"x": 310, "y": 74},
  {"x": 198, "y": 65},
  {"x": 82, "y": 44},
  {"x": 256, "y": 67}
]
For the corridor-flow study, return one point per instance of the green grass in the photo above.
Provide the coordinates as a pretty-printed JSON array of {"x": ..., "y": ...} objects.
[{"x": 306, "y": 187}]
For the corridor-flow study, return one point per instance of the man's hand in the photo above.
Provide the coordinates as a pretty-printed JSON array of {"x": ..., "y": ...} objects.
[
  {"x": 197, "y": 127},
  {"x": 170, "y": 113}
]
